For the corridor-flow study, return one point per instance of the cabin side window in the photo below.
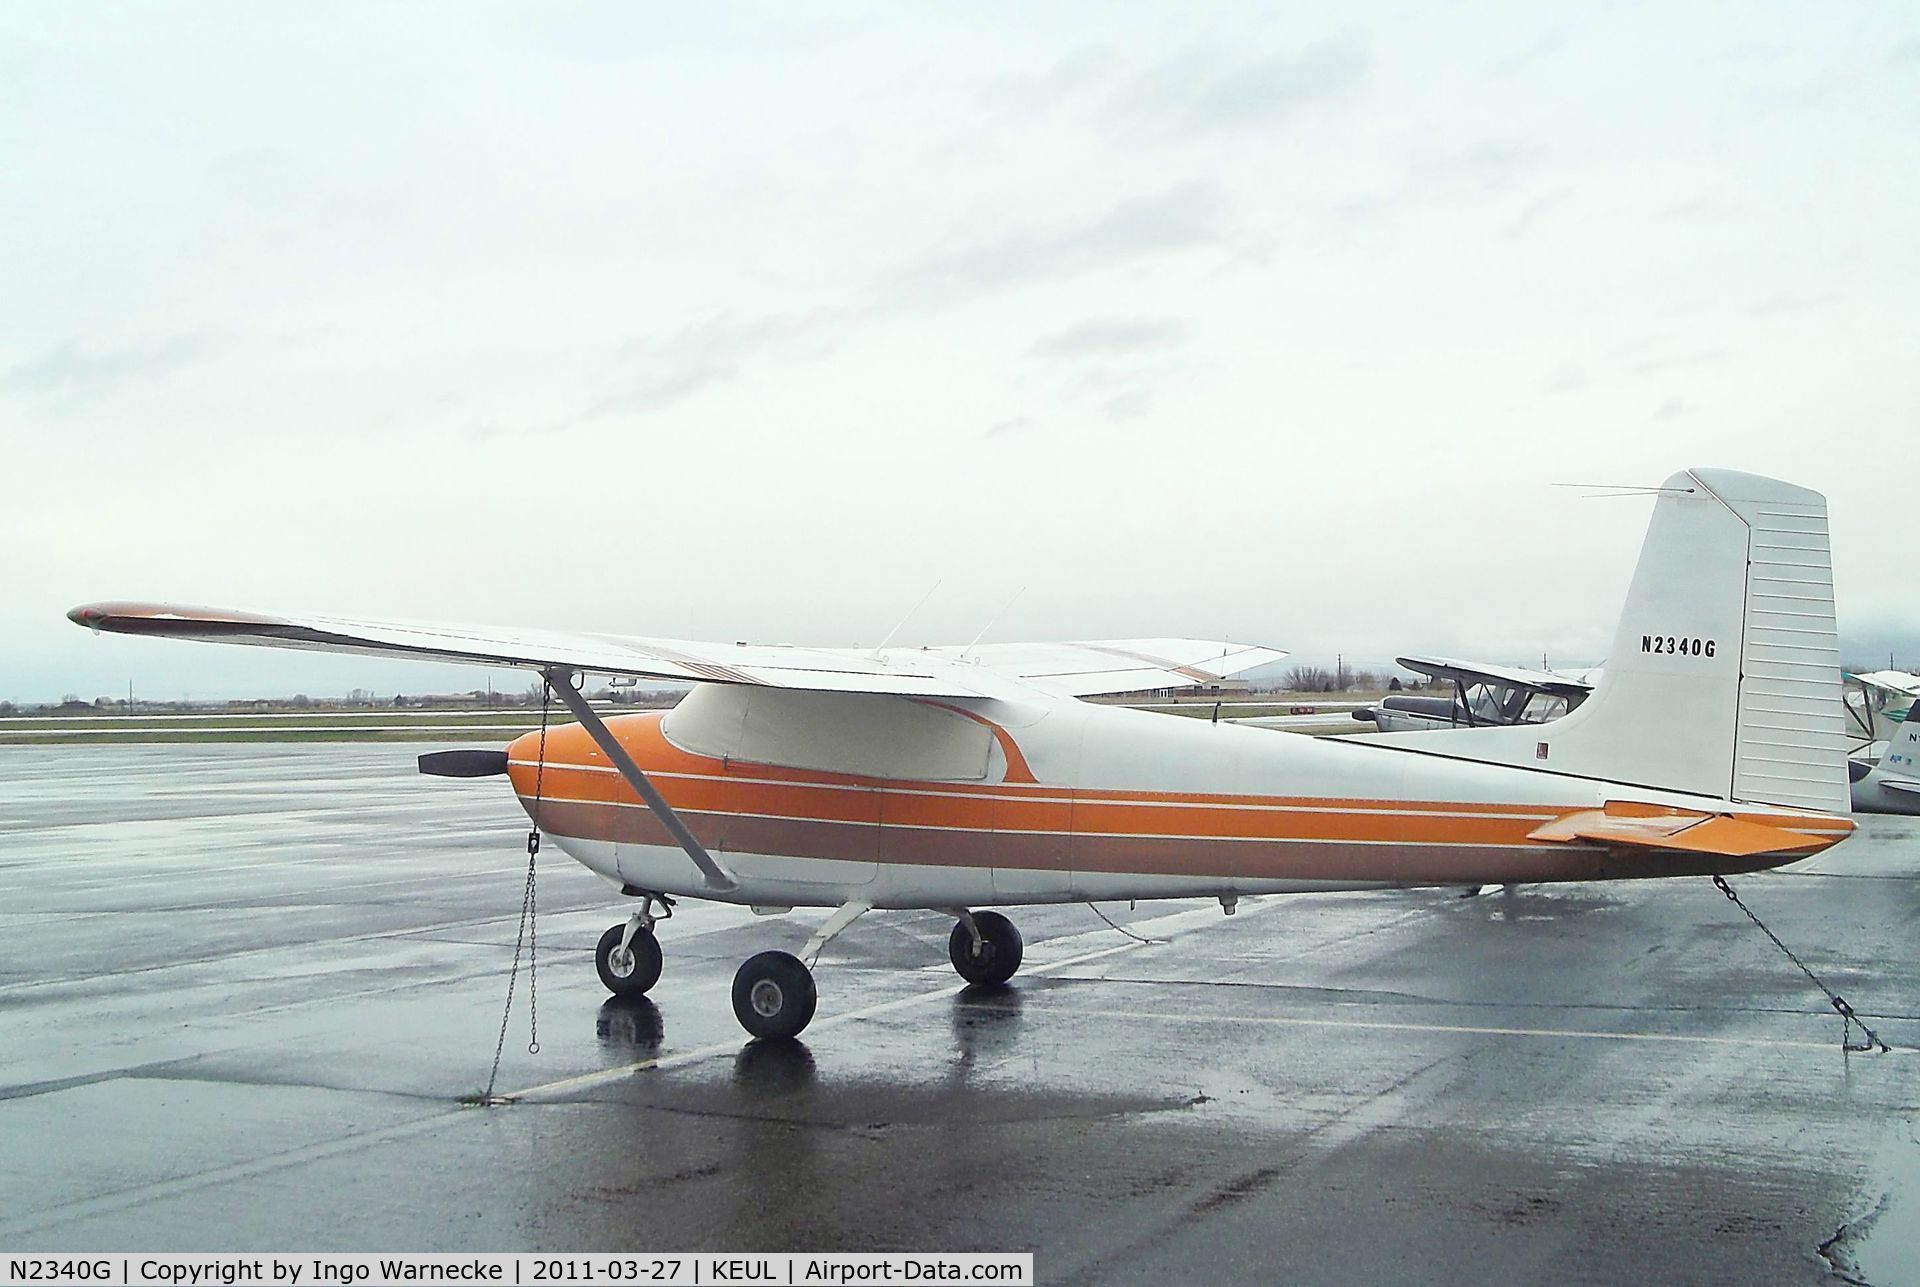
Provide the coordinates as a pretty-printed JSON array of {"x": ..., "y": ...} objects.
[{"x": 1543, "y": 707}]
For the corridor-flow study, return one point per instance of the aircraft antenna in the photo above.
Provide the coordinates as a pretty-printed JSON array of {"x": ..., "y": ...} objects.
[
  {"x": 1606, "y": 491},
  {"x": 998, "y": 613},
  {"x": 879, "y": 647}
]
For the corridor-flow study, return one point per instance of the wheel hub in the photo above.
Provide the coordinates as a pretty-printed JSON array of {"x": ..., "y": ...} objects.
[
  {"x": 620, "y": 962},
  {"x": 766, "y": 998}
]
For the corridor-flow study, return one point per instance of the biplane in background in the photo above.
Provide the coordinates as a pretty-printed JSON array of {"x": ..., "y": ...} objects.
[
  {"x": 960, "y": 779},
  {"x": 1877, "y": 703},
  {"x": 1483, "y": 697}
]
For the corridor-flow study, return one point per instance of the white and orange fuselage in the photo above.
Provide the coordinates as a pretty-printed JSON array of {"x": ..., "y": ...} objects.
[{"x": 1009, "y": 802}]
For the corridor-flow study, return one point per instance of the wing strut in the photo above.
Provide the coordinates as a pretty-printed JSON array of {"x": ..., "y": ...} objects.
[{"x": 562, "y": 679}]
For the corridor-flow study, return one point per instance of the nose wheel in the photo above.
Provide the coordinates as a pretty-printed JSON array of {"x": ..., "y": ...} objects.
[
  {"x": 773, "y": 995},
  {"x": 628, "y": 966}
]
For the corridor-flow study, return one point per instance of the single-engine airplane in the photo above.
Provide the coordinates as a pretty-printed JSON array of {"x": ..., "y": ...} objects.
[
  {"x": 1877, "y": 703},
  {"x": 1483, "y": 695},
  {"x": 965, "y": 778}
]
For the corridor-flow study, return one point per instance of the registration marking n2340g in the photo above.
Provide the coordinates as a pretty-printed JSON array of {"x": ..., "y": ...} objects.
[{"x": 1677, "y": 645}]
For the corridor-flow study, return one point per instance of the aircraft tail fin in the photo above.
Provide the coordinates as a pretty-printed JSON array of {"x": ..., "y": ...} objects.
[
  {"x": 1724, "y": 677},
  {"x": 1902, "y": 755}
]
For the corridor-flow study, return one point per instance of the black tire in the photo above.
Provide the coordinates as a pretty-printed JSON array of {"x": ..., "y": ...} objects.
[
  {"x": 999, "y": 950},
  {"x": 640, "y": 973},
  {"x": 774, "y": 996}
]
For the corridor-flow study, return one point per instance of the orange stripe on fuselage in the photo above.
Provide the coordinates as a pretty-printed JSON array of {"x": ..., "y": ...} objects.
[{"x": 576, "y": 771}]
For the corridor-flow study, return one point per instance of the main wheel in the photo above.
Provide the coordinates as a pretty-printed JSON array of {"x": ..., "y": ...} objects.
[
  {"x": 773, "y": 995},
  {"x": 996, "y": 956},
  {"x": 632, "y": 972}
]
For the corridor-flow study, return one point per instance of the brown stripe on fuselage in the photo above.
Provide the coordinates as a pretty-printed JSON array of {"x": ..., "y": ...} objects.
[{"x": 1410, "y": 863}]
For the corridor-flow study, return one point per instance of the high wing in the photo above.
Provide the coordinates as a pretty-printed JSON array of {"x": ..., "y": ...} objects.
[
  {"x": 1077, "y": 670},
  {"x": 1473, "y": 672},
  {"x": 1892, "y": 681},
  {"x": 1116, "y": 665}
]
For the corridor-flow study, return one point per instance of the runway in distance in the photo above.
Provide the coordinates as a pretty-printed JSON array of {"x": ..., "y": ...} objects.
[{"x": 961, "y": 779}]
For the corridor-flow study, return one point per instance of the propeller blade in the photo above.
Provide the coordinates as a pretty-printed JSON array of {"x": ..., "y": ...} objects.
[{"x": 464, "y": 764}]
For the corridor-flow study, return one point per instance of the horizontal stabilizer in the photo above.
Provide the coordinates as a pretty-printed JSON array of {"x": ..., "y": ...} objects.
[
  {"x": 1644, "y": 826},
  {"x": 1909, "y": 785}
]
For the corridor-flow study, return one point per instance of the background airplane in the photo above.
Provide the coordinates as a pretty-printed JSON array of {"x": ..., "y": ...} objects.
[
  {"x": 1877, "y": 702},
  {"x": 1482, "y": 695},
  {"x": 1891, "y": 785}
]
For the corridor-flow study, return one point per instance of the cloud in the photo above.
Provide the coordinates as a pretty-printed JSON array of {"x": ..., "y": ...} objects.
[
  {"x": 1535, "y": 213},
  {"x": 1074, "y": 74},
  {"x": 697, "y": 358},
  {"x": 1180, "y": 218},
  {"x": 75, "y": 372},
  {"x": 1489, "y": 165},
  {"x": 267, "y": 179},
  {"x": 1105, "y": 335},
  {"x": 1005, "y": 428},
  {"x": 1205, "y": 89},
  {"x": 1131, "y": 405},
  {"x": 1546, "y": 44},
  {"x": 1789, "y": 303}
]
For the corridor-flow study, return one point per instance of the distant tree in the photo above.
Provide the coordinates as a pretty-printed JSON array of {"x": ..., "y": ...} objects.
[
  {"x": 301, "y": 701},
  {"x": 7, "y": 708},
  {"x": 1393, "y": 685},
  {"x": 1310, "y": 679}
]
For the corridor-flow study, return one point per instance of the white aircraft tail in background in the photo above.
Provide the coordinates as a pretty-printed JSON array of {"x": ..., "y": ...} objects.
[
  {"x": 1892, "y": 785},
  {"x": 1724, "y": 675}
]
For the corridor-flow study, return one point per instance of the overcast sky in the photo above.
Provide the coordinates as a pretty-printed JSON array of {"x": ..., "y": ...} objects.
[{"x": 755, "y": 322}]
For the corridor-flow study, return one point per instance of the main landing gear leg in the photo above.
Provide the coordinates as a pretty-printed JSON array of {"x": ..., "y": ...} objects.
[
  {"x": 773, "y": 993},
  {"x": 984, "y": 947}
]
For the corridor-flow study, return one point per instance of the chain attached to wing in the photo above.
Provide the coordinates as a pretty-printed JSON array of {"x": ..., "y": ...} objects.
[{"x": 528, "y": 940}]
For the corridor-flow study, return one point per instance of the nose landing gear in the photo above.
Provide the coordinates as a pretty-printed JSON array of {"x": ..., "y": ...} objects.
[
  {"x": 627, "y": 957},
  {"x": 628, "y": 967}
]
